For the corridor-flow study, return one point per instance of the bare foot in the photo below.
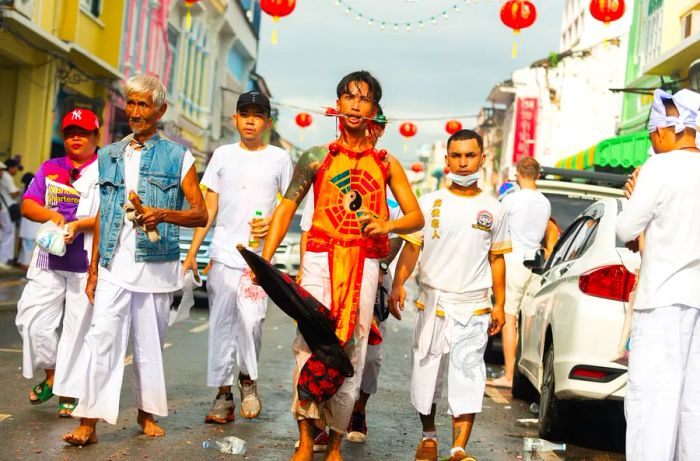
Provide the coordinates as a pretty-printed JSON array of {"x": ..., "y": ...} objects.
[
  {"x": 499, "y": 382},
  {"x": 148, "y": 424},
  {"x": 303, "y": 455},
  {"x": 85, "y": 434},
  {"x": 333, "y": 456}
]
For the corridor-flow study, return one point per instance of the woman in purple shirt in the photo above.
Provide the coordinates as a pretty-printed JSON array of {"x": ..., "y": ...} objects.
[{"x": 63, "y": 191}]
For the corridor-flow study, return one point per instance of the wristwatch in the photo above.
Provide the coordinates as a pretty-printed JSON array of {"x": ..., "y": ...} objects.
[{"x": 384, "y": 267}]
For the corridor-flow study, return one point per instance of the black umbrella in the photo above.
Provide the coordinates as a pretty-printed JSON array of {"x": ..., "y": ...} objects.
[{"x": 312, "y": 317}]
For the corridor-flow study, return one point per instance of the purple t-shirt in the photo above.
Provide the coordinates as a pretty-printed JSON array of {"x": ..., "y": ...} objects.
[{"x": 52, "y": 189}]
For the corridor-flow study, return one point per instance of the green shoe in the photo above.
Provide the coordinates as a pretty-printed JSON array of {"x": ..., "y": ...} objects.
[{"x": 43, "y": 393}]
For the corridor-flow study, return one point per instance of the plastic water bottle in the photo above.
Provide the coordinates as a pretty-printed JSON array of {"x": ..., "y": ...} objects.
[
  {"x": 230, "y": 445},
  {"x": 541, "y": 445},
  {"x": 253, "y": 242}
]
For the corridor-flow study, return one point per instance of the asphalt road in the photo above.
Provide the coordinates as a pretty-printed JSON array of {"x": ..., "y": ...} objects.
[{"x": 34, "y": 432}]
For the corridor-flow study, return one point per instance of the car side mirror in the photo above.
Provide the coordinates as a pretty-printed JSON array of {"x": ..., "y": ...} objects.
[{"x": 536, "y": 265}]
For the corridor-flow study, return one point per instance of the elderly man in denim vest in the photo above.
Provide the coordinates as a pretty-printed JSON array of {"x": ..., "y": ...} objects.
[{"x": 132, "y": 288}]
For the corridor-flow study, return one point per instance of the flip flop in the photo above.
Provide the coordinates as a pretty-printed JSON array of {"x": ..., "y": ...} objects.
[
  {"x": 43, "y": 392},
  {"x": 66, "y": 407}
]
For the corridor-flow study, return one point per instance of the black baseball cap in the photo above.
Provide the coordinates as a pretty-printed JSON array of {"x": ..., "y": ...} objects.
[
  {"x": 11, "y": 162},
  {"x": 253, "y": 98}
]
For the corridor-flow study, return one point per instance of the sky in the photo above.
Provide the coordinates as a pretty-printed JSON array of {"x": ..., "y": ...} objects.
[{"x": 443, "y": 70}]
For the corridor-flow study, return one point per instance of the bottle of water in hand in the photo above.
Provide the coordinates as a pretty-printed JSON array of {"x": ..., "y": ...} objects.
[
  {"x": 253, "y": 242},
  {"x": 230, "y": 445}
]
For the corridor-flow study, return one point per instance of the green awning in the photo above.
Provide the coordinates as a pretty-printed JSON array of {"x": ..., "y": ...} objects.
[{"x": 622, "y": 152}]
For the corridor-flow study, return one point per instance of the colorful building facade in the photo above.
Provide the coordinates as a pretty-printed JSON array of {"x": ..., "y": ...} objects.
[{"x": 55, "y": 55}]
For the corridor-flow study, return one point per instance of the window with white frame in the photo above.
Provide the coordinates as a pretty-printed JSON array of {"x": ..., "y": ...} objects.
[
  {"x": 94, "y": 7},
  {"x": 650, "y": 39}
]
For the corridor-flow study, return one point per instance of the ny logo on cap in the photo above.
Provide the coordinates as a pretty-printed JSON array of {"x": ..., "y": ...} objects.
[{"x": 77, "y": 114}]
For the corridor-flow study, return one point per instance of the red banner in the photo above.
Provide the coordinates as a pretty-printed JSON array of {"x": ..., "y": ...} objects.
[{"x": 525, "y": 128}]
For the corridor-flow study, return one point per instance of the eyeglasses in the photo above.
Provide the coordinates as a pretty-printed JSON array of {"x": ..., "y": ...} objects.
[{"x": 74, "y": 174}]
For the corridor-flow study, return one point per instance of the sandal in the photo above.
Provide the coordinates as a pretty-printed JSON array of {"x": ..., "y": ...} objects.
[
  {"x": 43, "y": 393},
  {"x": 66, "y": 405}
]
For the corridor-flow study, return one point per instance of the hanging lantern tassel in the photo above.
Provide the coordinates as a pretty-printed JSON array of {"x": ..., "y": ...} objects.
[
  {"x": 273, "y": 38},
  {"x": 188, "y": 16},
  {"x": 514, "y": 53}
]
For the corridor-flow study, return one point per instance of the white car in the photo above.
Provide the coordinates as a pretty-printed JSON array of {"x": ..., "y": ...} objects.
[
  {"x": 287, "y": 256},
  {"x": 572, "y": 318}
]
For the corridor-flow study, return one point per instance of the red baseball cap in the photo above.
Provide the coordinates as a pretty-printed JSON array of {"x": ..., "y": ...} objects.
[{"x": 82, "y": 118}]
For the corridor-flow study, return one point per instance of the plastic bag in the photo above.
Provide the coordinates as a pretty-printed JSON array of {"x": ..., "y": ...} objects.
[
  {"x": 183, "y": 310},
  {"x": 50, "y": 237}
]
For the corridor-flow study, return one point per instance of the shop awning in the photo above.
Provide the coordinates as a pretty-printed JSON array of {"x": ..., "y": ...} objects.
[{"x": 622, "y": 152}]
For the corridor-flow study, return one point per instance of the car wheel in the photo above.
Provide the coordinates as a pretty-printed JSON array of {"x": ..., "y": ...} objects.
[
  {"x": 522, "y": 387},
  {"x": 552, "y": 413}
]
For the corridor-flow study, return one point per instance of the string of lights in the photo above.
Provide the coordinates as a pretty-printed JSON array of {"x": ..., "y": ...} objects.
[{"x": 407, "y": 25}]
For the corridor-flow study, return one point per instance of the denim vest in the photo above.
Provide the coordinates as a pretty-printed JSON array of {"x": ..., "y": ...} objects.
[{"x": 159, "y": 186}]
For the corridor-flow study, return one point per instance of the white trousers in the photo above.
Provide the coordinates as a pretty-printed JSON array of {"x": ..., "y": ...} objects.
[
  {"x": 662, "y": 404},
  {"x": 459, "y": 348},
  {"x": 517, "y": 278},
  {"x": 373, "y": 363},
  {"x": 102, "y": 355},
  {"x": 235, "y": 327},
  {"x": 48, "y": 296},
  {"x": 7, "y": 237},
  {"x": 336, "y": 411},
  {"x": 26, "y": 249},
  {"x": 373, "y": 360}
]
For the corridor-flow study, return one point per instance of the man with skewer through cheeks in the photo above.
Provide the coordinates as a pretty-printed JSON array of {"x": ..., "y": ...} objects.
[{"x": 348, "y": 237}]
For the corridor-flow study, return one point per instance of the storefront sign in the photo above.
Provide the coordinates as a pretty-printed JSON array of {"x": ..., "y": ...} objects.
[{"x": 525, "y": 128}]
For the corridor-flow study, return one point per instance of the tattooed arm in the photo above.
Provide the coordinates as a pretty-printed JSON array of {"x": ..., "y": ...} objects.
[{"x": 302, "y": 179}]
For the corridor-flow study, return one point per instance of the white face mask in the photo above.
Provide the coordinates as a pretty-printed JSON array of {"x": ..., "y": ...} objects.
[{"x": 464, "y": 181}]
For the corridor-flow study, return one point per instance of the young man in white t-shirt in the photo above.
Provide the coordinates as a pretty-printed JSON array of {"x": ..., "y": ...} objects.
[
  {"x": 662, "y": 404},
  {"x": 242, "y": 183},
  {"x": 528, "y": 214},
  {"x": 462, "y": 245}
]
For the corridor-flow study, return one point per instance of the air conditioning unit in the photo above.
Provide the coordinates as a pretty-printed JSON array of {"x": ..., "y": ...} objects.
[
  {"x": 690, "y": 23},
  {"x": 25, "y": 7}
]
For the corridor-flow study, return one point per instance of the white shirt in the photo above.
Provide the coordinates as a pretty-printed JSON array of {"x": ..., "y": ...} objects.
[
  {"x": 458, "y": 236},
  {"x": 124, "y": 271},
  {"x": 7, "y": 187},
  {"x": 246, "y": 181},
  {"x": 666, "y": 208},
  {"x": 528, "y": 213}
]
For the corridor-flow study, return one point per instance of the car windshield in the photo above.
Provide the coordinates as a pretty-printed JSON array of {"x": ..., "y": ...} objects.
[{"x": 565, "y": 209}]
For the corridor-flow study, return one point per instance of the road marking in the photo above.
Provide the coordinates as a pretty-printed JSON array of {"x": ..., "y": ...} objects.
[
  {"x": 3, "y": 416},
  {"x": 8, "y": 303},
  {"x": 200, "y": 328},
  {"x": 495, "y": 395},
  {"x": 11, "y": 350},
  {"x": 129, "y": 359}
]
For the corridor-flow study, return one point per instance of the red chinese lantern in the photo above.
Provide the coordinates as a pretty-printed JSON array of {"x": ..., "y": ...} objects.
[
  {"x": 607, "y": 11},
  {"x": 188, "y": 15},
  {"x": 408, "y": 129},
  {"x": 453, "y": 126},
  {"x": 518, "y": 14},
  {"x": 303, "y": 119},
  {"x": 277, "y": 9},
  {"x": 417, "y": 167}
]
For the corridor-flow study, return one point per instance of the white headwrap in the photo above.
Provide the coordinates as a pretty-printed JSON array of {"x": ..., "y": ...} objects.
[{"x": 687, "y": 102}]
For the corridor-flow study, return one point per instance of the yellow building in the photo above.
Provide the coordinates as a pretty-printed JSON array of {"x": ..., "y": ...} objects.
[
  {"x": 681, "y": 35},
  {"x": 54, "y": 55}
]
